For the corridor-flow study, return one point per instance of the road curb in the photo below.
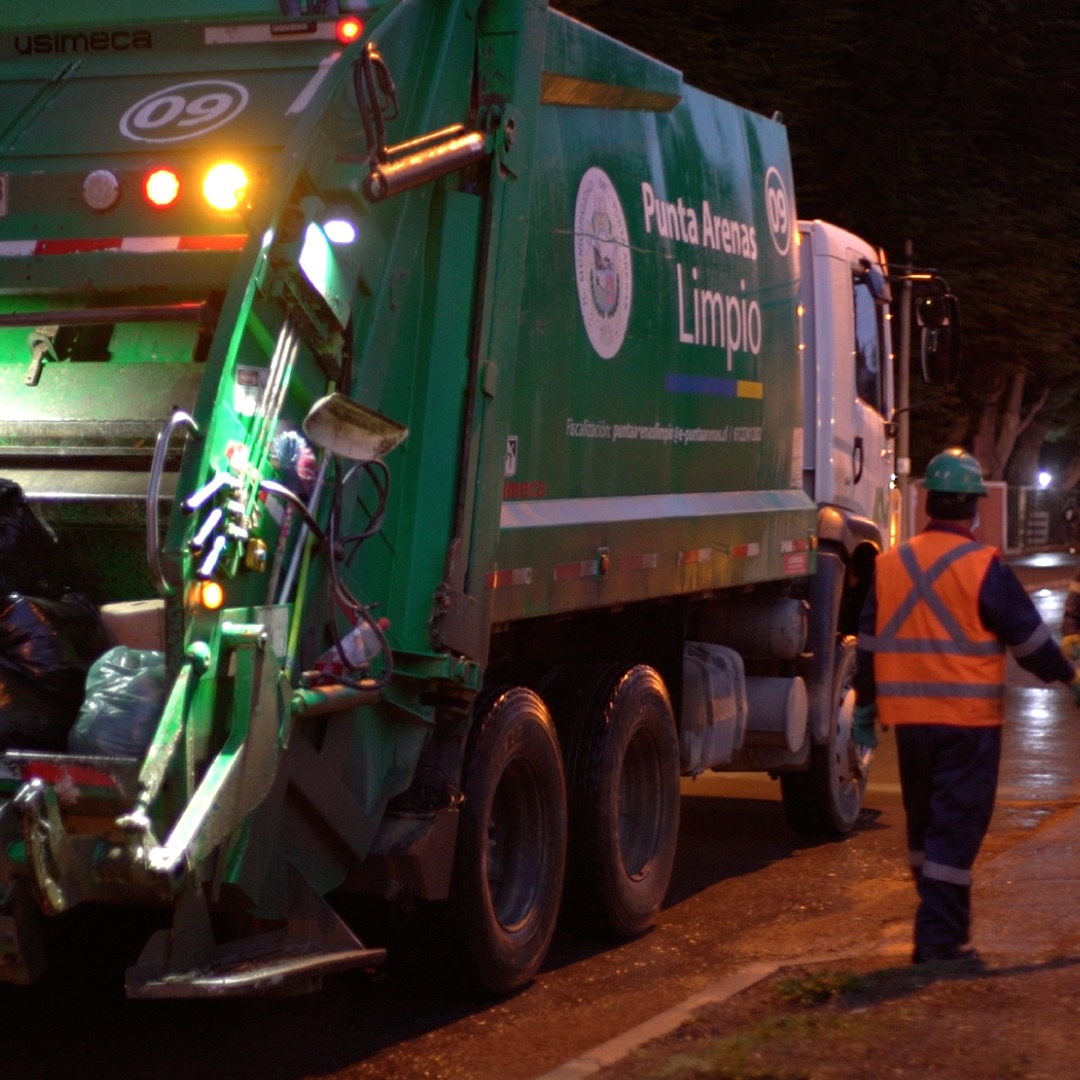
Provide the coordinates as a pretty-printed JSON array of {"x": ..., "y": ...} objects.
[{"x": 613, "y": 1050}]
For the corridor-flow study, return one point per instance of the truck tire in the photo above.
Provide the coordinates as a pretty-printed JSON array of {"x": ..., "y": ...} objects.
[
  {"x": 827, "y": 799},
  {"x": 622, "y": 762},
  {"x": 511, "y": 844}
]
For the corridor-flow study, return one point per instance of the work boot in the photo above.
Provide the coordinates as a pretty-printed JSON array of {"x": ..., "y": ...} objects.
[{"x": 929, "y": 954}]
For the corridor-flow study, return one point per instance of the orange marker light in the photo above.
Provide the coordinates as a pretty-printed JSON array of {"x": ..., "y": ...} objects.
[
  {"x": 161, "y": 187},
  {"x": 225, "y": 186},
  {"x": 349, "y": 29},
  {"x": 212, "y": 595}
]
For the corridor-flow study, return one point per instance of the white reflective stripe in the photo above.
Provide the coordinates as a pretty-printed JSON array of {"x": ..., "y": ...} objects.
[
  {"x": 17, "y": 247},
  {"x": 1033, "y": 643},
  {"x": 313, "y": 84},
  {"x": 953, "y": 875},
  {"x": 938, "y": 646},
  {"x": 150, "y": 243},
  {"x": 264, "y": 32},
  {"x": 534, "y": 513},
  {"x": 916, "y": 859},
  {"x": 922, "y": 590},
  {"x": 971, "y": 691}
]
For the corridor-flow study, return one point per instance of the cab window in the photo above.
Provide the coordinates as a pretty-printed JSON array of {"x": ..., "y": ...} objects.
[{"x": 869, "y": 348}]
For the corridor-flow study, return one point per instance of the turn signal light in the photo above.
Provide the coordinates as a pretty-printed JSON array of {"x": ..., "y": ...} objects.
[
  {"x": 225, "y": 186},
  {"x": 211, "y": 595},
  {"x": 161, "y": 187}
]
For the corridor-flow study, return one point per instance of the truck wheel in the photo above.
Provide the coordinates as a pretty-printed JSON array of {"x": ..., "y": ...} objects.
[
  {"x": 511, "y": 844},
  {"x": 827, "y": 799},
  {"x": 622, "y": 760}
]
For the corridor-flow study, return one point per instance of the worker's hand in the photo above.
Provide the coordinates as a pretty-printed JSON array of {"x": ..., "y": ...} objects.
[
  {"x": 1070, "y": 646},
  {"x": 1074, "y": 686},
  {"x": 864, "y": 729}
]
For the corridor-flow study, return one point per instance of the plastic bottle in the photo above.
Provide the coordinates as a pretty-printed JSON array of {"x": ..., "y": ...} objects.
[{"x": 361, "y": 645}]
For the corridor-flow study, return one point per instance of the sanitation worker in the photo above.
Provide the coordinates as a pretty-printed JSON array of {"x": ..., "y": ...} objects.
[{"x": 941, "y": 612}]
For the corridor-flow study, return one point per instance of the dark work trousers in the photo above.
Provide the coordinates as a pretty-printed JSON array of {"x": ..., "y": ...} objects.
[{"x": 949, "y": 777}]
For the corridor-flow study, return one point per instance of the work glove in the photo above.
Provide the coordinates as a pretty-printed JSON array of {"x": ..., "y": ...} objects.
[
  {"x": 1074, "y": 686},
  {"x": 1070, "y": 646},
  {"x": 864, "y": 728}
]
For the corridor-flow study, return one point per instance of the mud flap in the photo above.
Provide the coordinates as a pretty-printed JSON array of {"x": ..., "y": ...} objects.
[{"x": 186, "y": 962}]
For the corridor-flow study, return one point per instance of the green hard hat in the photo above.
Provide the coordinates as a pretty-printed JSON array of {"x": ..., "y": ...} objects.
[{"x": 954, "y": 471}]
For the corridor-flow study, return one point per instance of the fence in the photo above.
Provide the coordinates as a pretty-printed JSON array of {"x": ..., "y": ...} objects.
[
  {"x": 1018, "y": 519},
  {"x": 1042, "y": 518}
]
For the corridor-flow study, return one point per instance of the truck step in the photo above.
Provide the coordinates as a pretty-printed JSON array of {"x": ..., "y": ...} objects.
[
  {"x": 186, "y": 962},
  {"x": 275, "y": 975}
]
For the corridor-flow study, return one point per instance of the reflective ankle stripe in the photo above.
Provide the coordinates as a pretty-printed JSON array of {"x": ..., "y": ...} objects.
[{"x": 953, "y": 875}]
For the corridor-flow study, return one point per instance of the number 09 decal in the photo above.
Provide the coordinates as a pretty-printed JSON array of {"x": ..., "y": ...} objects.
[
  {"x": 184, "y": 111},
  {"x": 778, "y": 210}
]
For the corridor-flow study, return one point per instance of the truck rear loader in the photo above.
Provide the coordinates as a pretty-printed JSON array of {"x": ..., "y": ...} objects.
[{"x": 446, "y": 401}]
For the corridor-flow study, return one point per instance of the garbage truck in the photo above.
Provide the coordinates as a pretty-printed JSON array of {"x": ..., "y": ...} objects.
[{"x": 427, "y": 434}]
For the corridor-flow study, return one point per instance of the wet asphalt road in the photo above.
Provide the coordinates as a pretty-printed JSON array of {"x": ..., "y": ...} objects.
[{"x": 745, "y": 889}]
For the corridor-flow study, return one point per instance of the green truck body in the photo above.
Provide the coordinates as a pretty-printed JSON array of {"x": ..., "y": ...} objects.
[{"x": 547, "y": 425}]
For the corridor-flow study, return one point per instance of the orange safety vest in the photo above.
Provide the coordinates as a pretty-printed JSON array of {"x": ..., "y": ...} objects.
[{"x": 934, "y": 661}]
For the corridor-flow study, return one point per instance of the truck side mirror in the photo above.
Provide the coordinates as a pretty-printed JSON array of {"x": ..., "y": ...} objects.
[{"x": 939, "y": 338}]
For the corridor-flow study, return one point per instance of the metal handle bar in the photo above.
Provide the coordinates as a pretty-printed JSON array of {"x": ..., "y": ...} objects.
[{"x": 153, "y": 557}]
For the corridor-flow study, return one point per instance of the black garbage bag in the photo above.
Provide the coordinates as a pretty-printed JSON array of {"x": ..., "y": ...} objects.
[
  {"x": 46, "y": 649},
  {"x": 31, "y": 716},
  {"x": 29, "y": 549}
]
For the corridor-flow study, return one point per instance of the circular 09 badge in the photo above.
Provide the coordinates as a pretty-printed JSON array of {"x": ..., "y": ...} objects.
[
  {"x": 184, "y": 111},
  {"x": 602, "y": 262}
]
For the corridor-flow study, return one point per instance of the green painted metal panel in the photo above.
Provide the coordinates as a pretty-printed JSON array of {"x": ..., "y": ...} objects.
[
  {"x": 408, "y": 563},
  {"x": 656, "y": 406}
]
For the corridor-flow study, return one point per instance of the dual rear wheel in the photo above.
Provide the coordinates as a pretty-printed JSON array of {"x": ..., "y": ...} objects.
[
  {"x": 609, "y": 820},
  {"x": 580, "y": 781}
]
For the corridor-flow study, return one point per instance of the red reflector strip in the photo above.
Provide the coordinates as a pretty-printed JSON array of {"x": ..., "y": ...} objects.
[
  {"x": 211, "y": 243},
  {"x": 640, "y": 562},
  {"x": 500, "y": 579},
  {"x": 696, "y": 555},
  {"x": 742, "y": 551},
  {"x": 787, "y": 546},
  {"x": 140, "y": 245},
  {"x": 67, "y": 247},
  {"x": 566, "y": 571},
  {"x": 68, "y": 776}
]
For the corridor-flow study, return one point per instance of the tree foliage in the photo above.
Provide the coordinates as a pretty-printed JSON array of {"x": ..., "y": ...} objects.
[{"x": 950, "y": 122}]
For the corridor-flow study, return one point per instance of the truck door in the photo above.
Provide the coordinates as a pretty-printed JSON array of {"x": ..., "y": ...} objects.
[{"x": 871, "y": 461}]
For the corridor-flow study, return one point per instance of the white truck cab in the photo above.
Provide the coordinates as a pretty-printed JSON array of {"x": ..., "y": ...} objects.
[{"x": 849, "y": 457}]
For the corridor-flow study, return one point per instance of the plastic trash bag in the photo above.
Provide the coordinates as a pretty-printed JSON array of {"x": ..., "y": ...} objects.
[
  {"x": 46, "y": 649},
  {"x": 125, "y": 695},
  {"x": 52, "y": 642},
  {"x": 31, "y": 716},
  {"x": 29, "y": 550}
]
